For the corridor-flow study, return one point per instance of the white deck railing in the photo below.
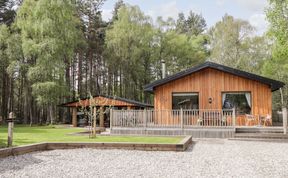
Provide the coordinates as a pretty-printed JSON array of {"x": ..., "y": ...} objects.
[{"x": 172, "y": 118}]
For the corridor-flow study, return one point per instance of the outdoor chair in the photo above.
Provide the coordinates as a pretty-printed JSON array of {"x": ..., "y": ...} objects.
[
  {"x": 267, "y": 120},
  {"x": 224, "y": 120},
  {"x": 200, "y": 121},
  {"x": 250, "y": 119}
]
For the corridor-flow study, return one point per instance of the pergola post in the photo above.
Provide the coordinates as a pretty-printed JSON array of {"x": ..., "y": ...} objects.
[
  {"x": 74, "y": 117},
  {"x": 101, "y": 116},
  {"x": 94, "y": 122}
]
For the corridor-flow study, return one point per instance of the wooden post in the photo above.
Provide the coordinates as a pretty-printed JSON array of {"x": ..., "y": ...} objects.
[
  {"x": 74, "y": 117},
  {"x": 181, "y": 118},
  {"x": 284, "y": 115},
  {"x": 94, "y": 121},
  {"x": 10, "y": 121},
  {"x": 111, "y": 119},
  {"x": 10, "y": 133},
  {"x": 101, "y": 116},
  {"x": 145, "y": 118},
  {"x": 234, "y": 117}
]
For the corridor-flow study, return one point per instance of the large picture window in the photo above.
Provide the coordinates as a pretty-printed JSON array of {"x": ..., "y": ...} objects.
[
  {"x": 241, "y": 101},
  {"x": 185, "y": 101}
]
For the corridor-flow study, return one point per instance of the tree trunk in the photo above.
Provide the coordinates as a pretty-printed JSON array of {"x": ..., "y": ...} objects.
[
  {"x": 31, "y": 115},
  {"x": 4, "y": 102},
  {"x": 51, "y": 112},
  {"x": 109, "y": 82},
  {"x": 80, "y": 92},
  {"x": 120, "y": 83},
  {"x": 41, "y": 116}
]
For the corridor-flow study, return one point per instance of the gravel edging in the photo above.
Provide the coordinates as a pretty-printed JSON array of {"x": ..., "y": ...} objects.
[
  {"x": 204, "y": 158},
  {"x": 182, "y": 146}
]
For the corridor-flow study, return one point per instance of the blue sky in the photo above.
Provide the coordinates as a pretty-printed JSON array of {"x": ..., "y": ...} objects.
[{"x": 212, "y": 10}]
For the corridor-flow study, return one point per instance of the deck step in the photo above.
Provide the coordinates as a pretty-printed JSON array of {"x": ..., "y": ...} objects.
[
  {"x": 259, "y": 139},
  {"x": 259, "y": 130},
  {"x": 260, "y": 136}
]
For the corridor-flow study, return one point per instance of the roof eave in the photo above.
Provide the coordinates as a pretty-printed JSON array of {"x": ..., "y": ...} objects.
[{"x": 135, "y": 103}]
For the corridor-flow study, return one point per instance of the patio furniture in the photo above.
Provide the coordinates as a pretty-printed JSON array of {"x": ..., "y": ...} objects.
[
  {"x": 200, "y": 121},
  {"x": 241, "y": 120},
  {"x": 264, "y": 120},
  {"x": 224, "y": 119},
  {"x": 267, "y": 120},
  {"x": 250, "y": 119}
]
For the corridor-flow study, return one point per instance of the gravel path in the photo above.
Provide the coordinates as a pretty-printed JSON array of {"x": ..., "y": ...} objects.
[{"x": 205, "y": 158}]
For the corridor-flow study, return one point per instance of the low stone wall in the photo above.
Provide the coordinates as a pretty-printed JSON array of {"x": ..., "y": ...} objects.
[
  {"x": 182, "y": 146},
  {"x": 195, "y": 132}
]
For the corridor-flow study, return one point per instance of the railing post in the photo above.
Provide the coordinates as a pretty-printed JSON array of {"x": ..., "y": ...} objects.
[
  {"x": 145, "y": 118},
  {"x": 234, "y": 117},
  {"x": 181, "y": 118},
  {"x": 284, "y": 112},
  {"x": 111, "y": 119}
]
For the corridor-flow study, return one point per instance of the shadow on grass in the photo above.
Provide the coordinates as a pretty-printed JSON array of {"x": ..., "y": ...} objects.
[
  {"x": 19, "y": 142},
  {"x": 3, "y": 143},
  {"x": 26, "y": 130}
]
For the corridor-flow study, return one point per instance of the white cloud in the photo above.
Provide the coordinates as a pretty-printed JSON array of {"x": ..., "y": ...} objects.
[
  {"x": 253, "y": 5},
  {"x": 220, "y": 2},
  {"x": 169, "y": 9},
  {"x": 107, "y": 14},
  {"x": 259, "y": 21}
]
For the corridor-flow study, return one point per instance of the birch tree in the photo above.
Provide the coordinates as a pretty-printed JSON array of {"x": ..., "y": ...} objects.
[
  {"x": 49, "y": 37},
  {"x": 277, "y": 66}
]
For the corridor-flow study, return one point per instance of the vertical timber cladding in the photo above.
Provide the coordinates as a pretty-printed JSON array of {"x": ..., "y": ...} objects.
[{"x": 210, "y": 83}]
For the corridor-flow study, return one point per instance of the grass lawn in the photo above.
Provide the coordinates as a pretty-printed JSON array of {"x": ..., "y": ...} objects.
[{"x": 24, "y": 135}]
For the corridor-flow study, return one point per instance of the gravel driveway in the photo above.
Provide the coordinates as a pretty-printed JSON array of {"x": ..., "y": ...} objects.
[{"x": 205, "y": 158}]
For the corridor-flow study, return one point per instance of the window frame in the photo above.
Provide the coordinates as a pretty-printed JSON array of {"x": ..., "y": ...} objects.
[
  {"x": 238, "y": 92},
  {"x": 185, "y": 94}
]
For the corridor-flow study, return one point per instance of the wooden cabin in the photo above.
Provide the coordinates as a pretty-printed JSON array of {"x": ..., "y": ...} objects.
[
  {"x": 212, "y": 86},
  {"x": 102, "y": 104}
]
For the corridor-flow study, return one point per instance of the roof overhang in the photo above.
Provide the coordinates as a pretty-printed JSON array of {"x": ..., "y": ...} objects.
[{"x": 86, "y": 102}]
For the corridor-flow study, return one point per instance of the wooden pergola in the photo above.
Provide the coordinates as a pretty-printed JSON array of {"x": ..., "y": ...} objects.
[{"x": 100, "y": 102}]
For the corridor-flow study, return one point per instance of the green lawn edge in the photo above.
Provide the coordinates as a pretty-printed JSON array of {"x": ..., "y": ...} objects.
[{"x": 25, "y": 135}]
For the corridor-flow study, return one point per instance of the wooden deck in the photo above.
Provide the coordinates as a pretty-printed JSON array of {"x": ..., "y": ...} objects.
[
  {"x": 198, "y": 123},
  {"x": 195, "y": 132},
  {"x": 200, "y": 132}
]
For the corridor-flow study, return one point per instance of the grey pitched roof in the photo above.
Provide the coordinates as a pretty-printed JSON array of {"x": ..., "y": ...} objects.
[{"x": 274, "y": 84}]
